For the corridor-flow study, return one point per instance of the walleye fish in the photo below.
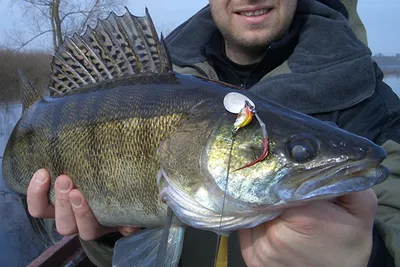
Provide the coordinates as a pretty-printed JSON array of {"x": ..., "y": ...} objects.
[{"x": 136, "y": 138}]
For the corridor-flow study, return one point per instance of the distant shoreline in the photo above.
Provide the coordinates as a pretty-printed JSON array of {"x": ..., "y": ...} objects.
[
  {"x": 390, "y": 70},
  {"x": 390, "y": 65}
]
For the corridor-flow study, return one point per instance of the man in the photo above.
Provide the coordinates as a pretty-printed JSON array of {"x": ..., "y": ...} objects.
[{"x": 304, "y": 55}]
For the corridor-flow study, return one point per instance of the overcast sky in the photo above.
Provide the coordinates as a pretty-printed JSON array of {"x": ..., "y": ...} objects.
[{"x": 381, "y": 18}]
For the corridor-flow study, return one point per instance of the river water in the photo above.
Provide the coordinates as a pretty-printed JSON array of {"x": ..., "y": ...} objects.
[
  {"x": 18, "y": 245},
  {"x": 394, "y": 82}
]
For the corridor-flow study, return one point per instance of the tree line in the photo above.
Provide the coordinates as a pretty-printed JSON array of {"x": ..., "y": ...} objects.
[
  {"x": 56, "y": 19},
  {"x": 389, "y": 64}
]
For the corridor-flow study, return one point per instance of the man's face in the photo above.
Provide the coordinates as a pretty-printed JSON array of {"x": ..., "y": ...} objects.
[{"x": 252, "y": 23}]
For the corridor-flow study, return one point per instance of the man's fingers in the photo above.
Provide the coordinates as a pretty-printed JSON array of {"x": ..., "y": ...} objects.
[
  {"x": 246, "y": 241},
  {"x": 128, "y": 230},
  {"x": 256, "y": 246},
  {"x": 37, "y": 196},
  {"x": 71, "y": 211},
  {"x": 65, "y": 219},
  {"x": 88, "y": 226},
  {"x": 359, "y": 203}
]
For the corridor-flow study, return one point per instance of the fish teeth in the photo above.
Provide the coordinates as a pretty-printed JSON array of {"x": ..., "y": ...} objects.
[{"x": 254, "y": 13}]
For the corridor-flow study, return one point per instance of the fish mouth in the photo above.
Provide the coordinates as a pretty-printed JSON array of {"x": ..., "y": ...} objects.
[
  {"x": 333, "y": 181},
  {"x": 345, "y": 180}
]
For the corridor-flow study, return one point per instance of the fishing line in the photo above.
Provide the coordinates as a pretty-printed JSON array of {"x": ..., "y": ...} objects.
[
  {"x": 245, "y": 109},
  {"x": 223, "y": 200},
  {"x": 162, "y": 250}
]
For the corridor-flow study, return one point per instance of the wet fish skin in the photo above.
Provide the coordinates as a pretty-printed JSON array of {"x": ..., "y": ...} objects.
[
  {"x": 133, "y": 136},
  {"x": 108, "y": 150},
  {"x": 113, "y": 151}
]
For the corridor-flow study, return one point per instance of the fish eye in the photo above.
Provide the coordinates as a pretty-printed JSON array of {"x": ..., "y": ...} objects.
[{"x": 302, "y": 148}]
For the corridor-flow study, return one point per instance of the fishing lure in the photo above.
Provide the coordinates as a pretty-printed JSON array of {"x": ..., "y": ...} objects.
[
  {"x": 239, "y": 104},
  {"x": 244, "y": 117}
]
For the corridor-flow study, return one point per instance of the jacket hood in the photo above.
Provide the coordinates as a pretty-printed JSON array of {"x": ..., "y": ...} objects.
[{"x": 330, "y": 69}]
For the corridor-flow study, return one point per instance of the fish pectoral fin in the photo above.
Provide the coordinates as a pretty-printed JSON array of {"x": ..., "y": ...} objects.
[
  {"x": 43, "y": 228},
  {"x": 140, "y": 249}
]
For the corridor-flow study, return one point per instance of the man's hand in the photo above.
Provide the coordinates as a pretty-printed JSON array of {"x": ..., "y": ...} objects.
[
  {"x": 319, "y": 234},
  {"x": 71, "y": 211}
]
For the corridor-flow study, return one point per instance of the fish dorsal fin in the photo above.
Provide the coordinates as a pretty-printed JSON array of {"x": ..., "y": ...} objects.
[
  {"x": 29, "y": 94},
  {"x": 116, "y": 47}
]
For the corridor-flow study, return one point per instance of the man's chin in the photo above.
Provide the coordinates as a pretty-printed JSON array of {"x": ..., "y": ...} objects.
[{"x": 253, "y": 41}]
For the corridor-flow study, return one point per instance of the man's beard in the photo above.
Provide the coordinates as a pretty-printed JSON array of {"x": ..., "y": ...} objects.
[{"x": 253, "y": 46}]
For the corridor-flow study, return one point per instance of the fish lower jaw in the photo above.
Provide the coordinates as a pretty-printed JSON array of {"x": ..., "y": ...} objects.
[
  {"x": 200, "y": 217},
  {"x": 344, "y": 181},
  {"x": 192, "y": 213}
]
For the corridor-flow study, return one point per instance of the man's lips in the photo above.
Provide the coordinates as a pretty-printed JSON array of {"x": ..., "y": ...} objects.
[
  {"x": 254, "y": 12},
  {"x": 253, "y": 15}
]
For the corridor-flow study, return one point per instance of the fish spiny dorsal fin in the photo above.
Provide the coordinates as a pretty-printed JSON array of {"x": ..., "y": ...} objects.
[
  {"x": 29, "y": 95},
  {"x": 118, "y": 46}
]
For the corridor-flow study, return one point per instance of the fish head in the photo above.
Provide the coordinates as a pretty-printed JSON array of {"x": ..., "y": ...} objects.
[
  {"x": 307, "y": 159},
  {"x": 210, "y": 185}
]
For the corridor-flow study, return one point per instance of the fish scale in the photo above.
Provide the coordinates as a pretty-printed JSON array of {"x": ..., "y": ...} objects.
[{"x": 84, "y": 142}]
